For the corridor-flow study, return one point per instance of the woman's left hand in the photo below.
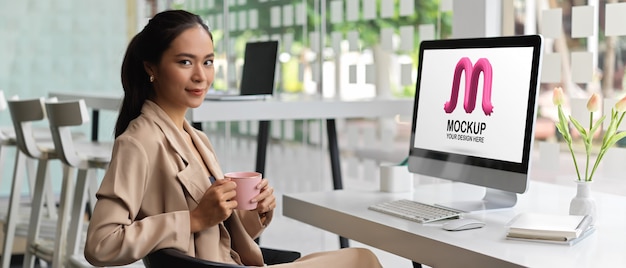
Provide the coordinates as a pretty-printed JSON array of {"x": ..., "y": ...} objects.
[{"x": 266, "y": 201}]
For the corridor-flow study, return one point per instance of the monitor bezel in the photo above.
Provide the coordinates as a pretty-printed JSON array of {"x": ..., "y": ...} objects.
[{"x": 534, "y": 41}]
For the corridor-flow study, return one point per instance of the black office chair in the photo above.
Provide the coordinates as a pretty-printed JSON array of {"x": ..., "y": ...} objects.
[{"x": 169, "y": 257}]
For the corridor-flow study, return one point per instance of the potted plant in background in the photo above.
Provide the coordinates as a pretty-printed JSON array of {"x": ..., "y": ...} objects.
[{"x": 582, "y": 203}]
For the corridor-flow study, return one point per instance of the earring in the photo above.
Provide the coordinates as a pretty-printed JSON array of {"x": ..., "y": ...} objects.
[{"x": 151, "y": 78}]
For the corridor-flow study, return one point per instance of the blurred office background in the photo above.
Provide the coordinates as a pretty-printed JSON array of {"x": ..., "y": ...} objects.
[{"x": 343, "y": 49}]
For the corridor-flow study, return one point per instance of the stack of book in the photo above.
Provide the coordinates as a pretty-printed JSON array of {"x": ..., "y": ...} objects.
[{"x": 560, "y": 229}]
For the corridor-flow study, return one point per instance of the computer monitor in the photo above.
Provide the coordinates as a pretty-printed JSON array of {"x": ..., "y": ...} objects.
[
  {"x": 257, "y": 75},
  {"x": 259, "y": 68},
  {"x": 488, "y": 144}
]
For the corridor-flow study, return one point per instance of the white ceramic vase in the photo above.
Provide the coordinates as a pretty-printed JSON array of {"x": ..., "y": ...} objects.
[{"x": 583, "y": 203}]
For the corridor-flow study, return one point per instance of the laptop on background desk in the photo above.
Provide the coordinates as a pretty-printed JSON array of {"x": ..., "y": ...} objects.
[{"x": 257, "y": 76}]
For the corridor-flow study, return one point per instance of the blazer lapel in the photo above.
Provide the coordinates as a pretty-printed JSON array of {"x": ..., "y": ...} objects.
[
  {"x": 189, "y": 174},
  {"x": 207, "y": 152},
  {"x": 188, "y": 177}
]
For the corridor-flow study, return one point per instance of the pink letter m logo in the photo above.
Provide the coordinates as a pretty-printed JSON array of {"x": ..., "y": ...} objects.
[{"x": 472, "y": 74}]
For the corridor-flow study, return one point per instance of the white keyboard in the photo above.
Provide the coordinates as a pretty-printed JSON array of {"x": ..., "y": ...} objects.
[{"x": 415, "y": 211}]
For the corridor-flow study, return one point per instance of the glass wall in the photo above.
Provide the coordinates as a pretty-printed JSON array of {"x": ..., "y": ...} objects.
[{"x": 333, "y": 48}]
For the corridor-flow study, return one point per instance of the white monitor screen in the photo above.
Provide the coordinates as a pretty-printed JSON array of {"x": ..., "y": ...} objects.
[
  {"x": 474, "y": 110},
  {"x": 473, "y": 101}
]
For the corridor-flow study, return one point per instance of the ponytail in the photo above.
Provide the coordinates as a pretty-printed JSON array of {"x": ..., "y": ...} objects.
[{"x": 137, "y": 88}]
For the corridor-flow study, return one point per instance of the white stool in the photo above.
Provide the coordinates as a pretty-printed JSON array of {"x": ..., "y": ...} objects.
[
  {"x": 23, "y": 113},
  {"x": 87, "y": 158}
]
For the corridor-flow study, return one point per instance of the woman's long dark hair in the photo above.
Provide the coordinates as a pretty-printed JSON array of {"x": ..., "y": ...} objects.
[{"x": 148, "y": 46}]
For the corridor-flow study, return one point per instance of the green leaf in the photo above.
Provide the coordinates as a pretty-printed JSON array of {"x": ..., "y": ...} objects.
[
  {"x": 579, "y": 127},
  {"x": 562, "y": 118},
  {"x": 564, "y": 129},
  {"x": 568, "y": 139},
  {"x": 616, "y": 138},
  {"x": 596, "y": 126},
  {"x": 611, "y": 129},
  {"x": 563, "y": 126},
  {"x": 609, "y": 132},
  {"x": 560, "y": 127}
]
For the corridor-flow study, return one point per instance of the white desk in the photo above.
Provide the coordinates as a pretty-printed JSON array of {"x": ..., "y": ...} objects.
[{"x": 345, "y": 213}]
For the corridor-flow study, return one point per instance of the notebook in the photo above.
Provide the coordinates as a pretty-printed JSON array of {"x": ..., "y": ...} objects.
[
  {"x": 569, "y": 242},
  {"x": 548, "y": 226},
  {"x": 257, "y": 76}
]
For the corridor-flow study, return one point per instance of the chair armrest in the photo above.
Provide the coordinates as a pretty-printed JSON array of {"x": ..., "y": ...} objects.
[
  {"x": 170, "y": 257},
  {"x": 278, "y": 256}
]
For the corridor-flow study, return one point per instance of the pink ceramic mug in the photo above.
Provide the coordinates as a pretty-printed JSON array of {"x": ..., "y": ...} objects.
[{"x": 246, "y": 188}]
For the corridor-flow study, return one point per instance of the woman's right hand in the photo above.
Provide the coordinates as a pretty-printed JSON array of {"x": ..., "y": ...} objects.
[{"x": 216, "y": 205}]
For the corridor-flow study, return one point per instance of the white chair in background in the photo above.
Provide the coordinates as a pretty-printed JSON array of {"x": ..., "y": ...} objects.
[
  {"x": 7, "y": 140},
  {"x": 29, "y": 149},
  {"x": 40, "y": 231},
  {"x": 87, "y": 158}
]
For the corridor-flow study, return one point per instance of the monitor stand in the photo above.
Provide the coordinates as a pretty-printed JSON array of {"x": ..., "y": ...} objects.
[{"x": 493, "y": 199}]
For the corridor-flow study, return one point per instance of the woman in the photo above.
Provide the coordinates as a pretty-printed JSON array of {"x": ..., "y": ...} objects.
[{"x": 156, "y": 192}]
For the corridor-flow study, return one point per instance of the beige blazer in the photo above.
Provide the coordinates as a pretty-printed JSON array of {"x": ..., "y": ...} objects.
[{"x": 144, "y": 200}]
